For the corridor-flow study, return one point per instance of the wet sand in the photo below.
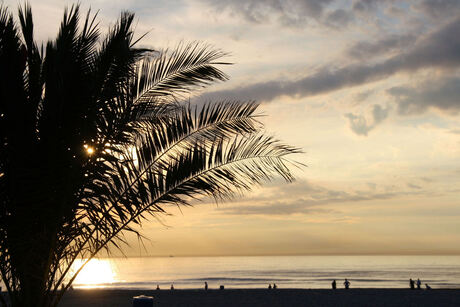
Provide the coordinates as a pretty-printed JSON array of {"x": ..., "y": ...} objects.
[{"x": 265, "y": 297}]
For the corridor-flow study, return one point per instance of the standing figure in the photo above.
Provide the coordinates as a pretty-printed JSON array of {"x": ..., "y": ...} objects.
[
  {"x": 158, "y": 287},
  {"x": 412, "y": 284},
  {"x": 334, "y": 284},
  {"x": 269, "y": 286},
  {"x": 419, "y": 283},
  {"x": 206, "y": 285},
  {"x": 347, "y": 284},
  {"x": 274, "y": 286},
  {"x": 172, "y": 286}
]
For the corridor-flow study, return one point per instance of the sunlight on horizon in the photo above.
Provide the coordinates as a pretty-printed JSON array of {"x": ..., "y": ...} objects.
[{"x": 96, "y": 273}]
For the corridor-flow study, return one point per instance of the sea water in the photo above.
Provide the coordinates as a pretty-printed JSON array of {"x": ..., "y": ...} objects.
[{"x": 285, "y": 271}]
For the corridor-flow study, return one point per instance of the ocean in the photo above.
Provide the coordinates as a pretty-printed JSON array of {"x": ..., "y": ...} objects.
[{"x": 260, "y": 271}]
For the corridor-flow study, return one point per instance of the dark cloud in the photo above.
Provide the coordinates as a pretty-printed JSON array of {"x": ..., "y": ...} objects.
[
  {"x": 392, "y": 43},
  {"x": 338, "y": 18},
  {"x": 287, "y": 12},
  {"x": 298, "y": 13},
  {"x": 359, "y": 124},
  {"x": 440, "y": 8},
  {"x": 439, "y": 49},
  {"x": 443, "y": 94}
]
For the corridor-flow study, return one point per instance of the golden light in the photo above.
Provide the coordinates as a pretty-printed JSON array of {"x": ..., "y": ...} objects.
[
  {"x": 89, "y": 149},
  {"x": 96, "y": 273}
]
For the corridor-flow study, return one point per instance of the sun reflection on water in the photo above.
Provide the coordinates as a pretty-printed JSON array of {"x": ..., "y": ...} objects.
[{"x": 97, "y": 273}]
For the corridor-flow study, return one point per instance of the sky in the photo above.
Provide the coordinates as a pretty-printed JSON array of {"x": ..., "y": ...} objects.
[{"x": 369, "y": 89}]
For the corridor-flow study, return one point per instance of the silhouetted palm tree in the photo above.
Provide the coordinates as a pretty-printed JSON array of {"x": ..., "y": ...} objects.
[{"x": 93, "y": 139}]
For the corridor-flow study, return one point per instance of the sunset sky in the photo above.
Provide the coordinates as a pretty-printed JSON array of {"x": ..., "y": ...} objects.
[{"x": 369, "y": 89}]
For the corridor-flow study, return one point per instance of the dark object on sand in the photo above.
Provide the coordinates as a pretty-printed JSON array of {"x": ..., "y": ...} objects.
[
  {"x": 158, "y": 287},
  {"x": 221, "y": 287},
  {"x": 412, "y": 284},
  {"x": 269, "y": 286},
  {"x": 143, "y": 301},
  {"x": 347, "y": 284},
  {"x": 427, "y": 287},
  {"x": 274, "y": 286},
  {"x": 419, "y": 283},
  {"x": 205, "y": 285},
  {"x": 334, "y": 284},
  {"x": 172, "y": 287}
]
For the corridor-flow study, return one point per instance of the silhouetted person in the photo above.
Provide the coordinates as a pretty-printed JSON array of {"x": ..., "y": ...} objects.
[
  {"x": 427, "y": 287},
  {"x": 269, "y": 286},
  {"x": 274, "y": 286},
  {"x": 412, "y": 284},
  {"x": 419, "y": 283},
  {"x": 158, "y": 287},
  {"x": 347, "y": 284},
  {"x": 206, "y": 285},
  {"x": 172, "y": 287},
  {"x": 334, "y": 284}
]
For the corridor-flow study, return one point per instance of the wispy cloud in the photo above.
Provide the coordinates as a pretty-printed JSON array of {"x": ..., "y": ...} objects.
[
  {"x": 305, "y": 198},
  {"x": 359, "y": 124}
]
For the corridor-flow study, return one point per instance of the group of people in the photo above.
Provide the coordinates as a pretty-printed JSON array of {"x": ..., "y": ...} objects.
[
  {"x": 418, "y": 283},
  {"x": 346, "y": 283}
]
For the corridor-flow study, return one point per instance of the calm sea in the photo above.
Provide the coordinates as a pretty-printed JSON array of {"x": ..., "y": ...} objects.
[{"x": 258, "y": 272}]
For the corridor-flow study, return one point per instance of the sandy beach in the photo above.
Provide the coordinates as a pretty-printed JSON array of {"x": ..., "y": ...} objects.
[{"x": 265, "y": 297}]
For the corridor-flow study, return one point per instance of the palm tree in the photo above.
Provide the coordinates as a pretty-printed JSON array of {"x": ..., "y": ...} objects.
[{"x": 94, "y": 138}]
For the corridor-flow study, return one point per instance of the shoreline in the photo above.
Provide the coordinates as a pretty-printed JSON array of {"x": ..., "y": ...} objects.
[{"x": 266, "y": 297}]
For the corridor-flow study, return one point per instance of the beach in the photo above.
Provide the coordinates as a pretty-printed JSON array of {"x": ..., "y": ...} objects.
[{"x": 265, "y": 297}]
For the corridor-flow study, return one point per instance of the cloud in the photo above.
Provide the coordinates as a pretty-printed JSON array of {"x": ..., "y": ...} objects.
[
  {"x": 439, "y": 8},
  {"x": 277, "y": 208},
  {"x": 414, "y": 186},
  {"x": 439, "y": 49},
  {"x": 443, "y": 94},
  {"x": 304, "y": 198},
  {"x": 360, "y": 126},
  {"x": 338, "y": 18},
  {"x": 391, "y": 43},
  {"x": 286, "y": 12},
  {"x": 362, "y": 96},
  {"x": 297, "y": 13}
]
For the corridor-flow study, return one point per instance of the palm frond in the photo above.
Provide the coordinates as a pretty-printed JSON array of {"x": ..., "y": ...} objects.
[{"x": 173, "y": 73}]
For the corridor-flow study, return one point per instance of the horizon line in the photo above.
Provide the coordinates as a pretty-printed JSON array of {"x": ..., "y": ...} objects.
[{"x": 280, "y": 255}]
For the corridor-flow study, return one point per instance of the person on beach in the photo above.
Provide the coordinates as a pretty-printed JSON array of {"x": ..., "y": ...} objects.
[
  {"x": 334, "y": 284},
  {"x": 172, "y": 286},
  {"x": 205, "y": 285},
  {"x": 427, "y": 287},
  {"x": 158, "y": 287},
  {"x": 274, "y": 286},
  {"x": 269, "y": 286},
  {"x": 412, "y": 284},
  {"x": 347, "y": 284},
  {"x": 419, "y": 283}
]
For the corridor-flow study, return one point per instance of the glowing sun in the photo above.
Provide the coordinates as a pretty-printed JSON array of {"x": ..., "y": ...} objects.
[{"x": 96, "y": 272}]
